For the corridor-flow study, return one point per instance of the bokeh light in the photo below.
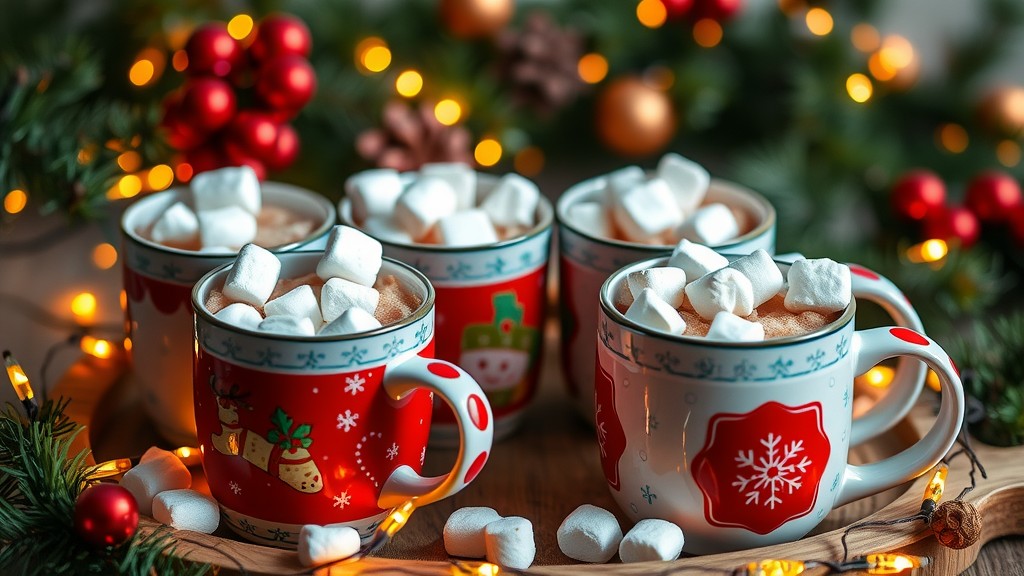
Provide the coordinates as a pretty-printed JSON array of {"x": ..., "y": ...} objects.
[
  {"x": 160, "y": 177},
  {"x": 592, "y": 68},
  {"x": 707, "y": 33},
  {"x": 819, "y": 21},
  {"x": 859, "y": 87},
  {"x": 240, "y": 26},
  {"x": 448, "y": 112},
  {"x": 104, "y": 256},
  {"x": 487, "y": 152},
  {"x": 15, "y": 201},
  {"x": 651, "y": 13},
  {"x": 952, "y": 138},
  {"x": 83, "y": 306},
  {"x": 409, "y": 83}
]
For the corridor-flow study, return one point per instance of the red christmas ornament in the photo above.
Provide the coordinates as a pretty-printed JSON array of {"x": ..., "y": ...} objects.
[
  {"x": 255, "y": 133},
  {"x": 208, "y": 104},
  {"x": 237, "y": 157},
  {"x": 211, "y": 50},
  {"x": 280, "y": 35},
  {"x": 992, "y": 196},
  {"x": 954, "y": 224},
  {"x": 286, "y": 148},
  {"x": 204, "y": 158},
  {"x": 677, "y": 9},
  {"x": 286, "y": 82},
  {"x": 1016, "y": 225},
  {"x": 179, "y": 133},
  {"x": 917, "y": 193},
  {"x": 717, "y": 9},
  {"x": 106, "y": 515}
]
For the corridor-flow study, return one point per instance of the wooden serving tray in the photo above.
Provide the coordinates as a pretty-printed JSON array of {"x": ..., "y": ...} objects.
[{"x": 547, "y": 469}]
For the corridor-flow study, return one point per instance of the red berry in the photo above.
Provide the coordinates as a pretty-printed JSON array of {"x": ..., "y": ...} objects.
[
  {"x": 992, "y": 196},
  {"x": 211, "y": 50},
  {"x": 917, "y": 193},
  {"x": 208, "y": 103},
  {"x": 280, "y": 35},
  {"x": 286, "y": 82},
  {"x": 955, "y": 225}
]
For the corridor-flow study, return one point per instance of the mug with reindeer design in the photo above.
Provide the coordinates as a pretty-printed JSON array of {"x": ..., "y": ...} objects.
[{"x": 322, "y": 430}]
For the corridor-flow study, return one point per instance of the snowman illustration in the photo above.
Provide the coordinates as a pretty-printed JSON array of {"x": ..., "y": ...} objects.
[{"x": 499, "y": 354}]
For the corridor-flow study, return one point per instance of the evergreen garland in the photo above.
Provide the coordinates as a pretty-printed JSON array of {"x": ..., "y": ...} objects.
[
  {"x": 992, "y": 371},
  {"x": 39, "y": 483}
]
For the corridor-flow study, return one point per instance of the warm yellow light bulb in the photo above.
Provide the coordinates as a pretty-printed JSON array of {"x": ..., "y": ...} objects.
[
  {"x": 83, "y": 306},
  {"x": 409, "y": 83},
  {"x": 240, "y": 26},
  {"x": 859, "y": 87},
  {"x": 129, "y": 185},
  {"x": 592, "y": 68},
  {"x": 96, "y": 347},
  {"x": 189, "y": 456},
  {"x": 19, "y": 380},
  {"x": 937, "y": 484},
  {"x": 160, "y": 177},
  {"x": 878, "y": 377},
  {"x": 893, "y": 563},
  {"x": 110, "y": 468},
  {"x": 929, "y": 251},
  {"x": 377, "y": 59},
  {"x": 775, "y": 568},
  {"x": 487, "y": 152},
  {"x": 448, "y": 112},
  {"x": 15, "y": 201}
]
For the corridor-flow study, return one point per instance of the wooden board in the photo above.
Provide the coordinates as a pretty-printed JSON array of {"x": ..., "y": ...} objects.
[{"x": 549, "y": 468}]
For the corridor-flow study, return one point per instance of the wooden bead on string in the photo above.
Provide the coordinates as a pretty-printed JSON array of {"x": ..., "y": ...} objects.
[{"x": 956, "y": 524}]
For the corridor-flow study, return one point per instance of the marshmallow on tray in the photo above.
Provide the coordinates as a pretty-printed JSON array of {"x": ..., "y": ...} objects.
[
  {"x": 253, "y": 275},
  {"x": 509, "y": 543},
  {"x": 467, "y": 228},
  {"x": 712, "y": 224},
  {"x": 650, "y": 540},
  {"x": 722, "y": 290},
  {"x": 464, "y": 531},
  {"x": 696, "y": 259},
  {"x": 647, "y": 210},
  {"x": 764, "y": 275},
  {"x": 591, "y": 218},
  {"x": 352, "y": 255},
  {"x": 423, "y": 203},
  {"x": 688, "y": 180},
  {"x": 322, "y": 544},
  {"x": 373, "y": 192},
  {"x": 351, "y": 321},
  {"x": 163, "y": 471},
  {"x": 589, "y": 534},
  {"x": 228, "y": 226},
  {"x": 818, "y": 285},
  {"x": 668, "y": 282},
  {"x": 339, "y": 295},
  {"x": 300, "y": 302},
  {"x": 654, "y": 313},
  {"x": 513, "y": 202},
  {"x": 186, "y": 510},
  {"x": 461, "y": 178},
  {"x": 241, "y": 315},
  {"x": 233, "y": 186},
  {"x": 287, "y": 325},
  {"x": 731, "y": 327},
  {"x": 178, "y": 224}
]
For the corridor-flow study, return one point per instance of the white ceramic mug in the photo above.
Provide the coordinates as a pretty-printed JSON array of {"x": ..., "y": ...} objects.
[{"x": 745, "y": 444}]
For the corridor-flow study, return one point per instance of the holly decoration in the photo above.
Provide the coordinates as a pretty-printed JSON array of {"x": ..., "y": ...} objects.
[
  {"x": 106, "y": 515},
  {"x": 234, "y": 107},
  {"x": 718, "y": 10},
  {"x": 284, "y": 437}
]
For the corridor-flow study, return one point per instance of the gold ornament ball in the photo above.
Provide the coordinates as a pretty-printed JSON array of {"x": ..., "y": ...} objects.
[
  {"x": 1002, "y": 111},
  {"x": 476, "y": 18},
  {"x": 634, "y": 119}
]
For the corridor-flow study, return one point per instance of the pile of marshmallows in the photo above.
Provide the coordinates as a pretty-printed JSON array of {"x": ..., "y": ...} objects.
[
  {"x": 226, "y": 201},
  {"x": 724, "y": 293},
  {"x": 588, "y": 534},
  {"x": 160, "y": 485},
  {"x": 439, "y": 205},
  {"x": 347, "y": 300},
  {"x": 658, "y": 210}
]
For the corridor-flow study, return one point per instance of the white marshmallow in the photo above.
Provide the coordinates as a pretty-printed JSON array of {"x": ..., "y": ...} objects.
[
  {"x": 688, "y": 180},
  {"x": 722, "y": 290},
  {"x": 373, "y": 192},
  {"x": 322, "y": 544},
  {"x": 819, "y": 285},
  {"x": 178, "y": 224},
  {"x": 509, "y": 543},
  {"x": 186, "y": 510},
  {"x": 299, "y": 302},
  {"x": 287, "y": 325},
  {"x": 667, "y": 282},
  {"x": 229, "y": 226},
  {"x": 352, "y": 255},
  {"x": 351, "y": 321},
  {"x": 589, "y": 534},
  {"x": 241, "y": 315},
  {"x": 464, "y": 531},
  {"x": 712, "y": 224},
  {"x": 253, "y": 276},
  {"x": 153, "y": 453},
  {"x": 653, "y": 312},
  {"x": 591, "y": 218},
  {"x": 422, "y": 204},
  {"x": 384, "y": 228},
  {"x": 650, "y": 540},
  {"x": 696, "y": 259},
  {"x": 459, "y": 176},
  {"x": 233, "y": 186},
  {"x": 467, "y": 228},
  {"x": 731, "y": 327},
  {"x": 147, "y": 479},
  {"x": 789, "y": 257},
  {"x": 763, "y": 273},
  {"x": 339, "y": 295},
  {"x": 646, "y": 211},
  {"x": 513, "y": 202},
  {"x": 621, "y": 181}
]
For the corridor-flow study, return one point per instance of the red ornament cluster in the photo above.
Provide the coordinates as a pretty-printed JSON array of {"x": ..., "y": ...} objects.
[
  {"x": 106, "y": 515},
  {"x": 993, "y": 198},
  {"x": 718, "y": 10},
  {"x": 235, "y": 106}
]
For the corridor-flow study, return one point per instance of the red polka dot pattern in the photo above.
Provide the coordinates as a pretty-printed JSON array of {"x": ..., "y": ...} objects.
[
  {"x": 955, "y": 369},
  {"x": 864, "y": 272},
  {"x": 477, "y": 411},
  {"x": 475, "y": 467},
  {"x": 908, "y": 335},
  {"x": 443, "y": 370}
]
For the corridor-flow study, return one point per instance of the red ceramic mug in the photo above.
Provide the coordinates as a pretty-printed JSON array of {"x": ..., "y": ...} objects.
[{"x": 327, "y": 429}]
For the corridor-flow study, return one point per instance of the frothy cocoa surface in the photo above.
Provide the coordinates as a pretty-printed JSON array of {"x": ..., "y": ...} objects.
[{"x": 275, "y": 226}]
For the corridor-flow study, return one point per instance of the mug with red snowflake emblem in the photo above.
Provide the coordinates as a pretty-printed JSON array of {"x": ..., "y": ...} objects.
[
  {"x": 323, "y": 430},
  {"x": 746, "y": 444}
]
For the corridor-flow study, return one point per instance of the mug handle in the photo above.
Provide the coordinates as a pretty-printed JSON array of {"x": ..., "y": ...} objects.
[
  {"x": 871, "y": 347},
  {"x": 909, "y": 376},
  {"x": 474, "y": 417}
]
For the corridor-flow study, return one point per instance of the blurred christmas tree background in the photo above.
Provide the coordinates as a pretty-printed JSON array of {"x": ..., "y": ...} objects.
[{"x": 866, "y": 157}]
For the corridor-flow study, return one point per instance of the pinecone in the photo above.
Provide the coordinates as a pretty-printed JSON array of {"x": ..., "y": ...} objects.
[
  {"x": 409, "y": 138},
  {"x": 540, "y": 63}
]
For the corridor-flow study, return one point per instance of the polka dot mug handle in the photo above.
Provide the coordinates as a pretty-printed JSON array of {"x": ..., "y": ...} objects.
[
  {"x": 871, "y": 347},
  {"x": 476, "y": 429},
  {"x": 908, "y": 379}
]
